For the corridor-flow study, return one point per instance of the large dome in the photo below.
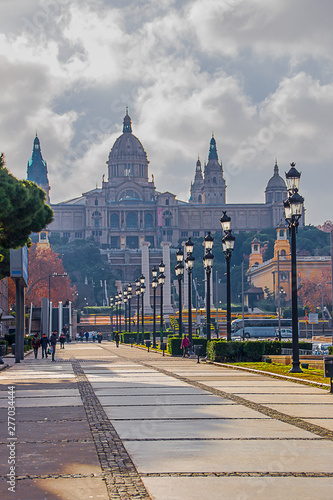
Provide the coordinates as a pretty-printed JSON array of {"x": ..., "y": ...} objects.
[
  {"x": 276, "y": 182},
  {"x": 127, "y": 146}
]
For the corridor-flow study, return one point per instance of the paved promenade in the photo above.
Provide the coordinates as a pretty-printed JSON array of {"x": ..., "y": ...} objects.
[{"x": 106, "y": 423}]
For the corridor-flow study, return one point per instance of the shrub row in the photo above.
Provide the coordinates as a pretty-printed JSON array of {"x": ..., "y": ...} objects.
[
  {"x": 221, "y": 350},
  {"x": 174, "y": 343},
  {"x": 126, "y": 337}
]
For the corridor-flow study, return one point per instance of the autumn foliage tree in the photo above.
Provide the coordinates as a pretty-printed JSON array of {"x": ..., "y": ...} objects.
[
  {"x": 43, "y": 263},
  {"x": 310, "y": 293}
]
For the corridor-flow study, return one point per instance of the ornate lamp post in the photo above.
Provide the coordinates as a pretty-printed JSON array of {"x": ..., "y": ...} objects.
[
  {"x": 125, "y": 308},
  {"x": 120, "y": 297},
  {"x": 208, "y": 264},
  {"x": 228, "y": 243},
  {"x": 138, "y": 293},
  {"x": 161, "y": 279},
  {"x": 154, "y": 284},
  {"x": 179, "y": 270},
  {"x": 111, "y": 313},
  {"x": 116, "y": 306},
  {"x": 293, "y": 208},
  {"x": 142, "y": 290},
  {"x": 129, "y": 296},
  {"x": 189, "y": 263}
]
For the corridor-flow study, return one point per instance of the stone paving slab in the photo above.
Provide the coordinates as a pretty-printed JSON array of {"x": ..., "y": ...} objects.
[
  {"x": 230, "y": 456},
  {"x": 48, "y": 429},
  {"x": 303, "y": 410},
  {"x": 322, "y": 399},
  {"x": 45, "y": 412},
  {"x": 186, "y": 411},
  {"x": 82, "y": 488},
  {"x": 239, "y": 488},
  {"x": 53, "y": 458},
  {"x": 138, "y": 383},
  {"x": 42, "y": 393},
  {"x": 210, "y": 429},
  {"x": 163, "y": 399},
  {"x": 43, "y": 401},
  {"x": 148, "y": 391},
  {"x": 295, "y": 389}
]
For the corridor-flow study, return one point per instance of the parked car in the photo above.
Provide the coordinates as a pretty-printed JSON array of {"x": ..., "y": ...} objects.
[{"x": 285, "y": 333}]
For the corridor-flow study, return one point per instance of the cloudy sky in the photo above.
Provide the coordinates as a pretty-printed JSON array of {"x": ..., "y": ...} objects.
[{"x": 258, "y": 73}]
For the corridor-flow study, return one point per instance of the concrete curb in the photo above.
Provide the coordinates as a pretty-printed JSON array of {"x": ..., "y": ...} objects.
[{"x": 270, "y": 374}]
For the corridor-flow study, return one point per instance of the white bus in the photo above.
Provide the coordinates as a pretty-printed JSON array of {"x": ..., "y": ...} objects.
[{"x": 261, "y": 327}]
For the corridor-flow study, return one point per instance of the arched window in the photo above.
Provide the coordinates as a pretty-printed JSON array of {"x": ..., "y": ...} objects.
[
  {"x": 148, "y": 220},
  {"x": 96, "y": 202},
  {"x": 214, "y": 180},
  {"x": 200, "y": 198},
  {"x": 114, "y": 221},
  {"x": 283, "y": 253},
  {"x": 131, "y": 221}
]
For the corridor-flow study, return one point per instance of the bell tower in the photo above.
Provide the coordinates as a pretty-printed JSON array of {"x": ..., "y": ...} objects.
[
  {"x": 255, "y": 256},
  {"x": 214, "y": 184}
]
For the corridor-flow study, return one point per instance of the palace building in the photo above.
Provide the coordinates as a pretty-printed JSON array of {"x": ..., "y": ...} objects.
[{"x": 128, "y": 210}]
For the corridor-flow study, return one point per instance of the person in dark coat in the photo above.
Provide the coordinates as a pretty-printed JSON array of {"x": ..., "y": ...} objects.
[
  {"x": 53, "y": 342},
  {"x": 36, "y": 344},
  {"x": 44, "y": 343},
  {"x": 116, "y": 338},
  {"x": 62, "y": 339}
]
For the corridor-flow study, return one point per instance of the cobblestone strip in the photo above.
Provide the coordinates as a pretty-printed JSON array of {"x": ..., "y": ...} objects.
[
  {"x": 277, "y": 415},
  {"x": 122, "y": 479},
  {"x": 237, "y": 474}
]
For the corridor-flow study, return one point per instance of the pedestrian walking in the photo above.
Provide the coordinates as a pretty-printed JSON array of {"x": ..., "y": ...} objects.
[
  {"x": 44, "y": 343},
  {"x": 116, "y": 338},
  {"x": 81, "y": 336},
  {"x": 36, "y": 344},
  {"x": 185, "y": 345},
  {"x": 99, "y": 337},
  {"x": 87, "y": 336},
  {"x": 53, "y": 343},
  {"x": 62, "y": 339}
]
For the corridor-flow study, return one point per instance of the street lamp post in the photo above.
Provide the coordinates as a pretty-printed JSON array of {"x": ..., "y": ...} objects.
[
  {"x": 208, "y": 264},
  {"x": 154, "y": 284},
  {"x": 293, "y": 209},
  {"x": 228, "y": 243},
  {"x": 125, "y": 308},
  {"x": 119, "y": 309},
  {"x": 137, "y": 293},
  {"x": 142, "y": 290},
  {"x": 116, "y": 311},
  {"x": 161, "y": 279},
  {"x": 179, "y": 270},
  {"x": 111, "y": 313},
  {"x": 129, "y": 296},
  {"x": 189, "y": 263}
]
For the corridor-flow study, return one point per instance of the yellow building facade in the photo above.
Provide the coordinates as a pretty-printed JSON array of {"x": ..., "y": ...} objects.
[{"x": 275, "y": 274}]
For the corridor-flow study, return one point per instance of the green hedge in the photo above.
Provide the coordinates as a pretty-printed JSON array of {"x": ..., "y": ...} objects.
[
  {"x": 174, "y": 343},
  {"x": 330, "y": 349},
  {"x": 126, "y": 337},
  {"x": 221, "y": 350}
]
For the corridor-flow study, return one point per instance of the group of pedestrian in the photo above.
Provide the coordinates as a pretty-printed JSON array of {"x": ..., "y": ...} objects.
[{"x": 48, "y": 345}]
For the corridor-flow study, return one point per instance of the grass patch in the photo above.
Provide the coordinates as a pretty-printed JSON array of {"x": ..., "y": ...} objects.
[{"x": 310, "y": 374}]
